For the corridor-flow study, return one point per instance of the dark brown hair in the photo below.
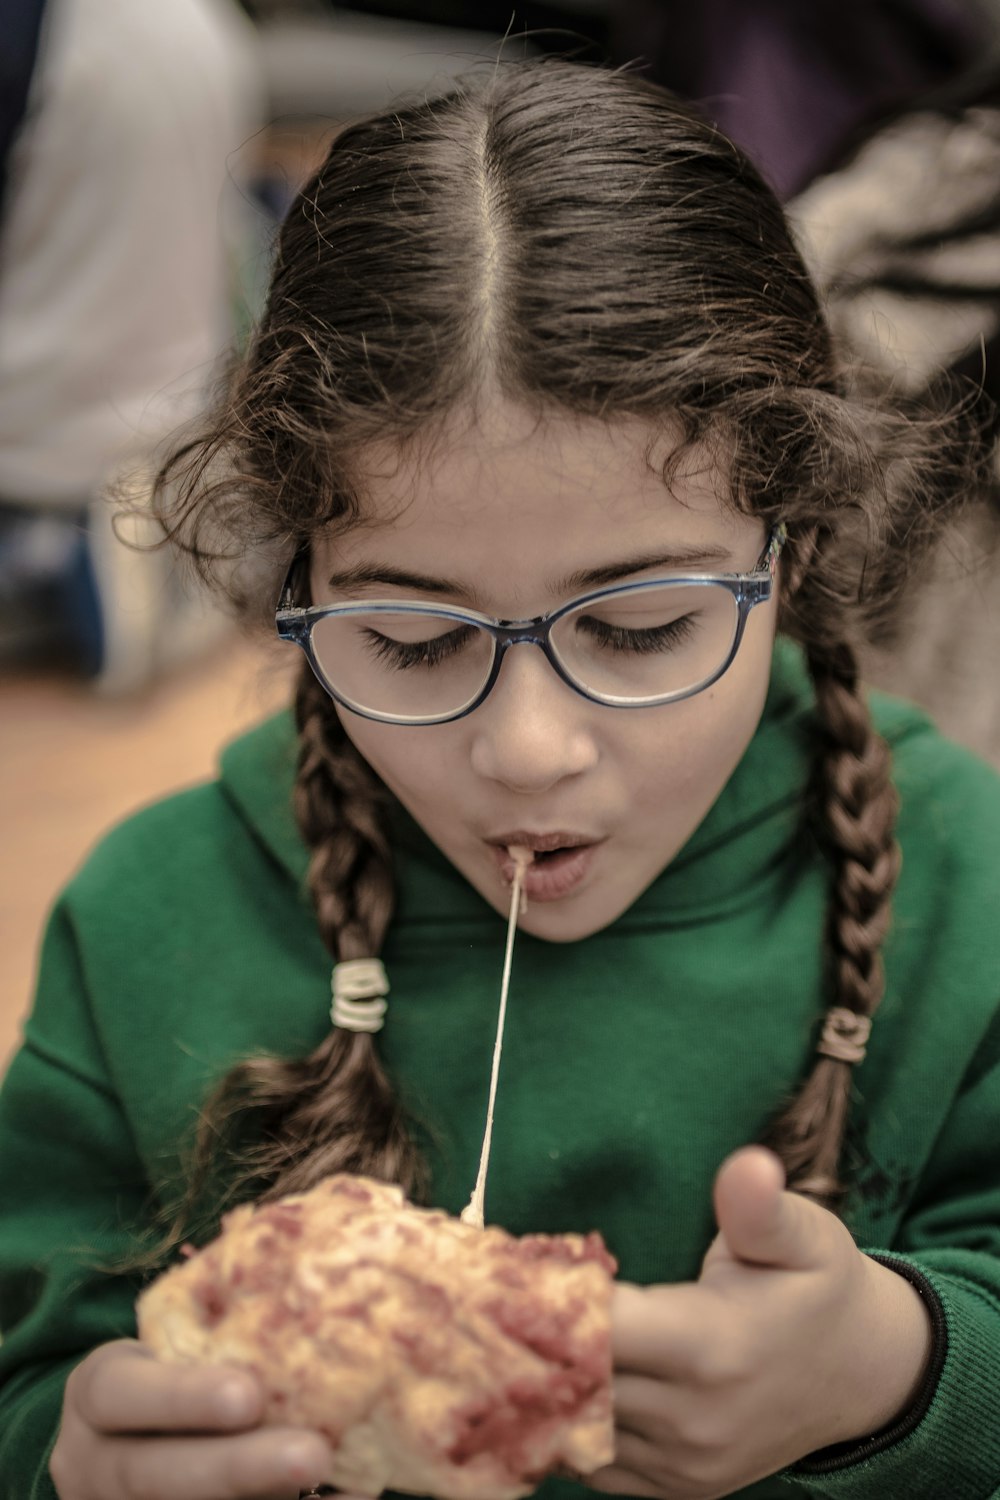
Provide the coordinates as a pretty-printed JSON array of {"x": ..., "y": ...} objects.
[{"x": 576, "y": 241}]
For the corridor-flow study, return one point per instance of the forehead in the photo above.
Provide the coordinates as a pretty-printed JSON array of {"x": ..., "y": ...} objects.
[
  {"x": 508, "y": 502},
  {"x": 505, "y": 452}
]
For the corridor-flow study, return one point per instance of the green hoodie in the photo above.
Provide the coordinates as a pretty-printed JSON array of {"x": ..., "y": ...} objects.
[{"x": 634, "y": 1060}]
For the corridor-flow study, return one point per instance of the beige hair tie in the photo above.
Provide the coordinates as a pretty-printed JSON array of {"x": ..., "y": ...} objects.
[
  {"x": 359, "y": 988},
  {"x": 845, "y": 1034}
]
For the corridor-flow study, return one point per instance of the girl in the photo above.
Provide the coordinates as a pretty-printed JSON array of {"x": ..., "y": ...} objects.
[{"x": 542, "y": 423}]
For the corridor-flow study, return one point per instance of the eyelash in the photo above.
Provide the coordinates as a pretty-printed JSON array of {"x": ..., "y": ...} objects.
[
  {"x": 640, "y": 642},
  {"x": 404, "y": 654}
]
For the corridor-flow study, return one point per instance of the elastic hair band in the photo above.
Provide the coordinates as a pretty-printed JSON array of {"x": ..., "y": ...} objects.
[
  {"x": 359, "y": 986},
  {"x": 845, "y": 1034}
]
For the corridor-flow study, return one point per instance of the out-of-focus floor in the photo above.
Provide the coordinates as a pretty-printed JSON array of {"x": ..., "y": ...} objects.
[{"x": 72, "y": 763}]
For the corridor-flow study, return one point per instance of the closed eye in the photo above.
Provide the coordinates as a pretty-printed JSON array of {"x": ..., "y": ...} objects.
[
  {"x": 404, "y": 655},
  {"x": 646, "y": 642}
]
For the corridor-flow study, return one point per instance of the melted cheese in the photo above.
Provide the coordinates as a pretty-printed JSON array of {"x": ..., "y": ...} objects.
[{"x": 473, "y": 1213}]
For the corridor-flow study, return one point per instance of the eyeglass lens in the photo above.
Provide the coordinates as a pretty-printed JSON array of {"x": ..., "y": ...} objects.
[
  {"x": 405, "y": 664},
  {"x": 630, "y": 647},
  {"x": 649, "y": 643}
]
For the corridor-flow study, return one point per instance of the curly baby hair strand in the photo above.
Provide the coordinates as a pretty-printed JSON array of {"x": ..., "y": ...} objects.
[{"x": 576, "y": 241}]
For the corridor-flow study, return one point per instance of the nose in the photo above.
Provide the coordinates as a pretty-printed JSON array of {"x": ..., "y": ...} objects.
[{"x": 533, "y": 730}]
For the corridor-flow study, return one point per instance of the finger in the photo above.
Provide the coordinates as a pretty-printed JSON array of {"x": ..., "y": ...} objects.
[
  {"x": 124, "y": 1388},
  {"x": 258, "y": 1465},
  {"x": 761, "y": 1224},
  {"x": 659, "y": 1330},
  {"x": 616, "y": 1479},
  {"x": 642, "y": 1406},
  {"x": 637, "y": 1454}
]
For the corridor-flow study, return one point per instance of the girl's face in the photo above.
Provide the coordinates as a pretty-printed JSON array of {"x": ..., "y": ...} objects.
[{"x": 501, "y": 516}]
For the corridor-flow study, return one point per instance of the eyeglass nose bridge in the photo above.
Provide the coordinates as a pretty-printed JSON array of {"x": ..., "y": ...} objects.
[{"x": 523, "y": 633}]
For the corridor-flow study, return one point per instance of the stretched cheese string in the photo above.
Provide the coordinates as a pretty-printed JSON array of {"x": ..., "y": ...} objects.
[{"x": 473, "y": 1211}]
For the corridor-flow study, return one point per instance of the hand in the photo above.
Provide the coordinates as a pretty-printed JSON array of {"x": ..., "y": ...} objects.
[
  {"x": 789, "y": 1341},
  {"x": 135, "y": 1428}
]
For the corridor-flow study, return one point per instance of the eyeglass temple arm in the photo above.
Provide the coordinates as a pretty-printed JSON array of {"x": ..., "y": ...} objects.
[
  {"x": 286, "y": 598},
  {"x": 775, "y": 542}
]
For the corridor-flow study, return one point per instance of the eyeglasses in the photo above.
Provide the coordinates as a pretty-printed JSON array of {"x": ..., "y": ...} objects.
[{"x": 635, "y": 645}]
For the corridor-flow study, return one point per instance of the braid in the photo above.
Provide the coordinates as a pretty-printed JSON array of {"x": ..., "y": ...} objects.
[
  {"x": 859, "y": 807},
  {"x": 335, "y": 1110},
  {"x": 336, "y": 805}
]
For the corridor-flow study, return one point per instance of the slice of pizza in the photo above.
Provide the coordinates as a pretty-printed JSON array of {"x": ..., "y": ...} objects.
[{"x": 437, "y": 1358}]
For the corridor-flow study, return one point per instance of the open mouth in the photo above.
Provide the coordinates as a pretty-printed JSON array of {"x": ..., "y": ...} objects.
[
  {"x": 560, "y": 862},
  {"x": 546, "y": 856}
]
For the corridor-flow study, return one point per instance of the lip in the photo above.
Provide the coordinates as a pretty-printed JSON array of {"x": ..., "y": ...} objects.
[
  {"x": 556, "y": 877},
  {"x": 540, "y": 843}
]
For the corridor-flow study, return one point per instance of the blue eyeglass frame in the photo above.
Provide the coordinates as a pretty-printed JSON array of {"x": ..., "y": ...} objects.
[{"x": 296, "y": 622}]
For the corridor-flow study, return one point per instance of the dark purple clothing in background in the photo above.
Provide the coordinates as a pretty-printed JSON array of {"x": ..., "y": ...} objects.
[{"x": 792, "y": 80}]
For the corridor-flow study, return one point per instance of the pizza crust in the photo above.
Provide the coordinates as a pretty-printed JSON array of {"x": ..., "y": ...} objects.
[{"x": 437, "y": 1358}]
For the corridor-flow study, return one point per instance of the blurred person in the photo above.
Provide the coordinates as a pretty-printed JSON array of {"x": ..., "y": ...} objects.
[
  {"x": 878, "y": 122},
  {"x": 903, "y": 239},
  {"x": 115, "y": 300}
]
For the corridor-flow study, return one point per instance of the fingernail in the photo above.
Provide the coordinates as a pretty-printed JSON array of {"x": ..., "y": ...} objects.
[
  {"x": 305, "y": 1462},
  {"x": 235, "y": 1402}
]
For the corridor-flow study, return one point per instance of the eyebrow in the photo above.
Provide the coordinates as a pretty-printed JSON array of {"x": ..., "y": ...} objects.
[
  {"x": 667, "y": 562},
  {"x": 364, "y": 574}
]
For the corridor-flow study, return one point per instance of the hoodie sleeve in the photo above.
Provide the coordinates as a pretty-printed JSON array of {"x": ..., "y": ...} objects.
[
  {"x": 949, "y": 1248},
  {"x": 71, "y": 1185}
]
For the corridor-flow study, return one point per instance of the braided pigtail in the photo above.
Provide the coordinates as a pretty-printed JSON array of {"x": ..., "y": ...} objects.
[
  {"x": 858, "y": 803},
  {"x": 347, "y": 1117},
  {"x": 289, "y": 1122}
]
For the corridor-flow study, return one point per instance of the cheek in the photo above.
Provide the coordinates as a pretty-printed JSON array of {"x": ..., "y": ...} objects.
[
  {"x": 676, "y": 768},
  {"x": 411, "y": 762},
  {"x": 691, "y": 752}
]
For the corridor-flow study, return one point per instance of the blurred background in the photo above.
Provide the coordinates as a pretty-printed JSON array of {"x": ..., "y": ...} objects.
[{"x": 148, "y": 149}]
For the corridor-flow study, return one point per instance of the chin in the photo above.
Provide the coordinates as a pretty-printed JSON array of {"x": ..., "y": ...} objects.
[
  {"x": 567, "y": 919},
  {"x": 566, "y": 922}
]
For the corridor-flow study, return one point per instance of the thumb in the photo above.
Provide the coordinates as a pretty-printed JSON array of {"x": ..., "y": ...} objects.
[{"x": 759, "y": 1222}]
